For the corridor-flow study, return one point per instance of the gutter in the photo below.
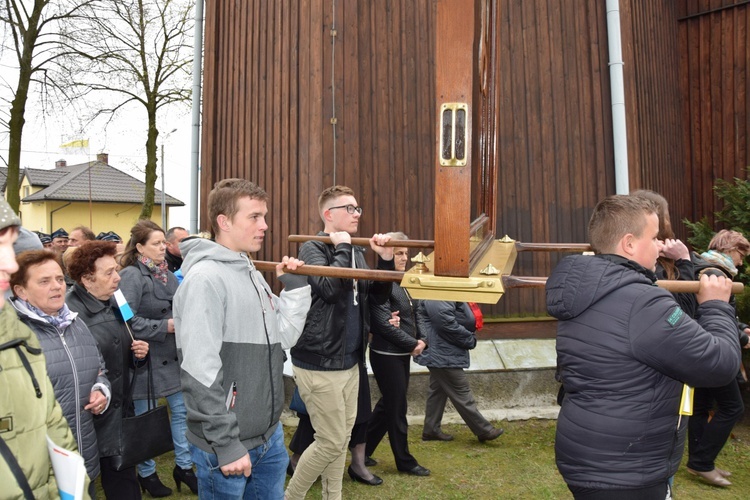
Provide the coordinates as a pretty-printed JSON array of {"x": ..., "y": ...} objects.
[
  {"x": 196, "y": 115},
  {"x": 52, "y": 212},
  {"x": 617, "y": 89}
]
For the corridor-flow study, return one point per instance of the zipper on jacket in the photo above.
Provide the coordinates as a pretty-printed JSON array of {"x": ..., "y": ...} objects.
[
  {"x": 79, "y": 438},
  {"x": 268, "y": 345}
]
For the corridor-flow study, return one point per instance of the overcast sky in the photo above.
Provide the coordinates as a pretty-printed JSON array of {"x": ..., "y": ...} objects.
[{"x": 124, "y": 139}]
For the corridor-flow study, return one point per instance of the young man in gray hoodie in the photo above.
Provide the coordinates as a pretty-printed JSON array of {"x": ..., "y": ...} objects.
[{"x": 231, "y": 331}]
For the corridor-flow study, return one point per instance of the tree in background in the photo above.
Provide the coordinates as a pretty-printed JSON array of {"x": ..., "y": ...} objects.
[
  {"x": 141, "y": 52},
  {"x": 32, "y": 31},
  {"x": 734, "y": 215}
]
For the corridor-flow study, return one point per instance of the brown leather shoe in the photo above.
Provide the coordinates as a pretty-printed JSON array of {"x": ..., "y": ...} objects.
[
  {"x": 493, "y": 434},
  {"x": 440, "y": 436},
  {"x": 711, "y": 477}
]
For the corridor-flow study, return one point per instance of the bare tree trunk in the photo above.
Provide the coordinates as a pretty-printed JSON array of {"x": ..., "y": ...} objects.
[
  {"x": 25, "y": 53},
  {"x": 15, "y": 125},
  {"x": 153, "y": 133}
]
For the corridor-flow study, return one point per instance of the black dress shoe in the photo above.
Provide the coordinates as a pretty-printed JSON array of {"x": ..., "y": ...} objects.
[
  {"x": 370, "y": 462},
  {"x": 154, "y": 486},
  {"x": 440, "y": 436},
  {"x": 375, "y": 481},
  {"x": 493, "y": 434},
  {"x": 417, "y": 471},
  {"x": 186, "y": 476}
]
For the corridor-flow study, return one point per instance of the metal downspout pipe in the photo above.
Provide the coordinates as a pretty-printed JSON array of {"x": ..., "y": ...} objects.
[
  {"x": 617, "y": 88},
  {"x": 196, "y": 116}
]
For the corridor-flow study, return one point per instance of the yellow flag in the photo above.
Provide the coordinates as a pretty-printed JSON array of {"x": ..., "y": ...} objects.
[
  {"x": 686, "y": 401},
  {"x": 79, "y": 144}
]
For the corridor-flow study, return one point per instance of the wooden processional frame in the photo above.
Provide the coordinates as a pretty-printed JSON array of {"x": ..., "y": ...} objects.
[{"x": 468, "y": 264}]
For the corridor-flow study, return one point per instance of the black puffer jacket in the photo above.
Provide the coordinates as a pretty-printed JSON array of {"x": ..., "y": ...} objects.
[
  {"x": 323, "y": 341},
  {"x": 624, "y": 349},
  {"x": 450, "y": 332}
]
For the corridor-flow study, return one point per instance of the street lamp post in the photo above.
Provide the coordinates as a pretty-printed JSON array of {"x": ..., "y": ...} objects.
[{"x": 163, "y": 194}]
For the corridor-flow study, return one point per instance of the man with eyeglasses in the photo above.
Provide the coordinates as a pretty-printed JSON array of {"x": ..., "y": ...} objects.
[{"x": 328, "y": 355}]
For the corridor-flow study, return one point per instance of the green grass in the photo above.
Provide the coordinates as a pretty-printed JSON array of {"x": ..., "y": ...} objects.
[{"x": 519, "y": 464}]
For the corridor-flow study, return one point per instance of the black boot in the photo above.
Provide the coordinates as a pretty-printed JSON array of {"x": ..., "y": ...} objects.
[
  {"x": 154, "y": 486},
  {"x": 186, "y": 476}
]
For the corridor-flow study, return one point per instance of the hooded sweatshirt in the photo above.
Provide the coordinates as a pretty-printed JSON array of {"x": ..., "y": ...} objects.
[
  {"x": 624, "y": 350},
  {"x": 231, "y": 331}
]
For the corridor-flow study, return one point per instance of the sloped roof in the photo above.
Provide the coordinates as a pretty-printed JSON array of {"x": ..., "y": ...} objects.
[
  {"x": 40, "y": 177},
  {"x": 105, "y": 183},
  {"x": 36, "y": 176}
]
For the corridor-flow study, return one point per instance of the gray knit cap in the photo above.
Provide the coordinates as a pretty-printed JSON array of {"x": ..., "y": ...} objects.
[
  {"x": 27, "y": 241},
  {"x": 7, "y": 216}
]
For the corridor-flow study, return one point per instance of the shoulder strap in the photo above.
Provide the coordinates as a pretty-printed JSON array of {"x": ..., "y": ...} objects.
[
  {"x": 151, "y": 392},
  {"x": 16, "y": 470}
]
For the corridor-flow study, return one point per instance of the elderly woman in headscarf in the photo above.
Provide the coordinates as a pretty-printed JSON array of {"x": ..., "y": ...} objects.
[
  {"x": 74, "y": 364},
  {"x": 93, "y": 268},
  {"x": 707, "y": 433}
]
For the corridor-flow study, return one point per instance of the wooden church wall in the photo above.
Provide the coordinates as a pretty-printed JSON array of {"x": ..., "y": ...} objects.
[
  {"x": 715, "y": 85},
  {"x": 269, "y": 104},
  {"x": 275, "y": 78}
]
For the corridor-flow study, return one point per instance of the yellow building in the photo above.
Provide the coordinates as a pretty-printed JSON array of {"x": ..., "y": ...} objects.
[{"x": 92, "y": 194}]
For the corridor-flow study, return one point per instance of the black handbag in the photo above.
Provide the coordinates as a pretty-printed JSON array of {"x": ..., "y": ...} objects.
[{"x": 144, "y": 436}]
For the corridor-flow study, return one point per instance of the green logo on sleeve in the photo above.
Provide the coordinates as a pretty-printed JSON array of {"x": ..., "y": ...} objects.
[{"x": 675, "y": 316}]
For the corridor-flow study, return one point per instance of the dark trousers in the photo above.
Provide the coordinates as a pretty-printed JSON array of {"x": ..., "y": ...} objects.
[
  {"x": 452, "y": 383},
  {"x": 119, "y": 485},
  {"x": 706, "y": 439},
  {"x": 389, "y": 415}
]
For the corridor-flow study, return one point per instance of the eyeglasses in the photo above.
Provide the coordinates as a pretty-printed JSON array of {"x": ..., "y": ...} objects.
[
  {"x": 350, "y": 209},
  {"x": 738, "y": 252}
]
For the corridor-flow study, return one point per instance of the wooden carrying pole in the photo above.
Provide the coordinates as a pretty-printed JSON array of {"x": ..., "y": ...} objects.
[
  {"x": 363, "y": 242},
  {"x": 509, "y": 281},
  {"x": 520, "y": 247}
]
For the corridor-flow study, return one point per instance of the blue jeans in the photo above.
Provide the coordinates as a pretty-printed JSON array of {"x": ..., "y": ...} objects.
[
  {"x": 269, "y": 461},
  {"x": 178, "y": 421}
]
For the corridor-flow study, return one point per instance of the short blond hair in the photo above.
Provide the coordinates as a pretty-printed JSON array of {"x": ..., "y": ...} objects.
[
  {"x": 332, "y": 193},
  {"x": 616, "y": 216}
]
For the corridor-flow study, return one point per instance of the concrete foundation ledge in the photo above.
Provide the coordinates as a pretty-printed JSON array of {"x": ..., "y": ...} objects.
[
  {"x": 510, "y": 379},
  {"x": 289, "y": 419}
]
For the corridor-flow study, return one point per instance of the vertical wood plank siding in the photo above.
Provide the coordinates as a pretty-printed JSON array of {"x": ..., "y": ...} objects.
[
  {"x": 554, "y": 138},
  {"x": 269, "y": 100},
  {"x": 713, "y": 72},
  {"x": 268, "y": 104}
]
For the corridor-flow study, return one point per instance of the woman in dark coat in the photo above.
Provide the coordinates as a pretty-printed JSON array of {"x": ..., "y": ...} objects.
[
  {"x": 93, "y": 268},
  {"x": 450, "y": 332},
  {"x": 395, "y": 339},
  {"x": 149, "y": 287}
]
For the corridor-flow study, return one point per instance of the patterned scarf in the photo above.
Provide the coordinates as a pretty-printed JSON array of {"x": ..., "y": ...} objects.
[
  {"x": 63, "y": 319},
  {"x": 159, "y": 271},
  {"x": 720, "y": 259}
]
